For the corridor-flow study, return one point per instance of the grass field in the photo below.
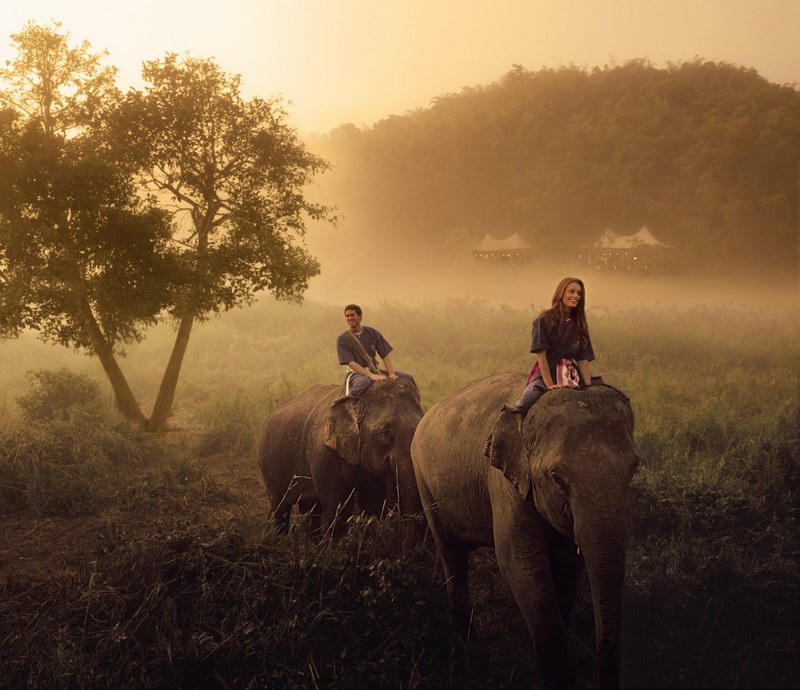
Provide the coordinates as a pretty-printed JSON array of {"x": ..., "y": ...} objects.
[{"x": 132, "y": 562}]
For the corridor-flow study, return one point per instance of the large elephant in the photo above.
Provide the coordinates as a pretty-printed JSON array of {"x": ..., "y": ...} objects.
[
  {"x": 548, "y": 491},
  {"x": 319, "y": 451}
]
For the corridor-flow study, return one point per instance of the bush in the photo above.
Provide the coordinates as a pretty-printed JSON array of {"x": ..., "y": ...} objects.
[
  {"x": 58, "y": 395},
  {"x": 66, "y": 468},
  {"x": 61, "y": 461}
]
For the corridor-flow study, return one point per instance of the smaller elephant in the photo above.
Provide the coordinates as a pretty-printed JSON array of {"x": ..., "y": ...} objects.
[
  {"x": 319, "y": 451},
  {"x": 548, "y": 492}
]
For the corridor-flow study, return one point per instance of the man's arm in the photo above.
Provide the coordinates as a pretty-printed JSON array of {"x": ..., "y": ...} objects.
[
  {"x": 356, "y": 367},
  {"x": 389, "y": 364}
]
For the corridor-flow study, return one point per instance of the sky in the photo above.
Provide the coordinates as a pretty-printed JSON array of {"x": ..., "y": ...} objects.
[{"x": 341, "y": 61}]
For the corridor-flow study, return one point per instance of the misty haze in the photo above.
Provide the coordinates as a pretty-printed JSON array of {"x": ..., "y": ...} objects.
[{"x": 218, "y": 247}]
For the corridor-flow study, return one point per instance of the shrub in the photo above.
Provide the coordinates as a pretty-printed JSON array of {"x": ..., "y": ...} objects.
[
  {"x": 66, "y": 458},
  {"x": 57, "y": 395}
]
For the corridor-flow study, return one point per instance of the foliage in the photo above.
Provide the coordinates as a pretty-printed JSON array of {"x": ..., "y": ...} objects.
[
  {"x": 87, "y": 259},
  {"x": 56, "y": 395},
  {"x": 233, "y": 170},
  {"x": 701, "y": 152},
  {"x": 206, "y": 589},
  {"x": 237, "y": 607},
  {"x": 62, "y": 87},
  {"x": 82, "y": 256},
  {"x": 233, "y": 420},
  {"x": 68, "y": 467}
]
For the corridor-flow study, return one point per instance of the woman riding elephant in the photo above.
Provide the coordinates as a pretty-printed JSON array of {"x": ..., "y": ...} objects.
[
  {"x": 560, "y": 341},
  {"x": 319, "y": 450},
  {"x": 548, "y": 491}
]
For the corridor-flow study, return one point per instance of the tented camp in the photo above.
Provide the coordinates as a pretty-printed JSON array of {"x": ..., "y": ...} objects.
[
  {"x": 638, "y": 252},
  {"x": 511, "y": 251}
]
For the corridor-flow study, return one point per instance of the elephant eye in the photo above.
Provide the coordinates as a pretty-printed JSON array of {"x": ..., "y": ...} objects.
[
  {"x": 558, "y": 480},
  {"x": 385, "y": 435}
]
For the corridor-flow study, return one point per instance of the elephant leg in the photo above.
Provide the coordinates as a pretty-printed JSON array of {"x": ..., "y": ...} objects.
[
  {"x": 336, "y": 513},
  {"x": 281, "y": 512},
  {"x": 335, "y": 493},
  {"x": 567, "y": 569},
  {"x": 521, "y": 537},
  {"x": 455, "y": 562},
  {"x": 281, "y": 518},
  {"x": 310, "y": 508}
]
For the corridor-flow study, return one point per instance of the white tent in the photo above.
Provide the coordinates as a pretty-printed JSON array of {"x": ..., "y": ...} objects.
[
  {"x": 490, "y": 243},
  {"x": 643, "y": 238},
  {"x": 640, "y": 251},
  {"x": 511, "y": 250}
]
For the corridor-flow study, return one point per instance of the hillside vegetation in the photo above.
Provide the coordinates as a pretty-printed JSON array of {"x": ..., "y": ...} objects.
[
  {"x": 703, "y": 153},
  {"x": 132, "y": 562}
]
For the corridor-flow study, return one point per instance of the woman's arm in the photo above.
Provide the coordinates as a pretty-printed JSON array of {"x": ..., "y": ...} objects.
[
  {"x": 544, "y": 367},
  {"x": 583, "y": 367}
]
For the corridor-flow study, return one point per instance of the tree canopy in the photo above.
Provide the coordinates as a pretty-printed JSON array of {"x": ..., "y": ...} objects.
[
  {"x": 703, "y": 153},
  {"x": 118, "y": 210}
]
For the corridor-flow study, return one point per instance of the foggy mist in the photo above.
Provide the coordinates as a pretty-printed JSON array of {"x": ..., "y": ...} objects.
[
  {"x": 352, "y": 274},
  {"x": 137, "y": 545}
]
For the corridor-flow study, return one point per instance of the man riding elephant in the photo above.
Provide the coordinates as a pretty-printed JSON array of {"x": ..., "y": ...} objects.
[
  {"x": 320, "y": 450},
  {"x": 357, "y": 348}
]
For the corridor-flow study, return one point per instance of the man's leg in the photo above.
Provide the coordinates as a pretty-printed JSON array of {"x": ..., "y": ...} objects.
[{"x": 357, "y": 384}]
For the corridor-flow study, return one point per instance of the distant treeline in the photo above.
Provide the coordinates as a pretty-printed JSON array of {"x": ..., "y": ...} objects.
[{"x": 704, "y": 153}]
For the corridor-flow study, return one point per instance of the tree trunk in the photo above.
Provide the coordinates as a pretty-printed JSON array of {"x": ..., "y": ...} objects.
[
  {"x": 166, "y": 393},
  {"x": 123, "y": 395}
]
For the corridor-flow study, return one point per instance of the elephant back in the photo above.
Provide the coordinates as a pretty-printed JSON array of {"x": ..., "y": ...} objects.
[{"x": 597, "y": 409}]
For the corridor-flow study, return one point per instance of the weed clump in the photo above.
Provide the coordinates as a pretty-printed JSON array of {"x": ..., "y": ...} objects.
[{"x": 195, "y": 607}]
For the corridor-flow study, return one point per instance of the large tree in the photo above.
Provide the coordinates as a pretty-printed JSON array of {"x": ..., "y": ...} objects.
[
  {"x": 220, "y": 221},
  {"x": 232, "y": 172},
  {"x": 83, "y": 257}
]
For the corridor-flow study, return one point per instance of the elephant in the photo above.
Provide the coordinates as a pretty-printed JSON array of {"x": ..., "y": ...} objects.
[
  {"x": 319, "y": 450},
  {"x": 548, "y": 491}
]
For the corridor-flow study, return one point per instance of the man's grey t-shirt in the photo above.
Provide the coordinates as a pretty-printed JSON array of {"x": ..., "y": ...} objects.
[{"x": 371, "y": 340}]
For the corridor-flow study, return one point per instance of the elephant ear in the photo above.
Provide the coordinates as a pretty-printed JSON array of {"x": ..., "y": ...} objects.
[
  {"x": 341, "y": 431},
  {"x": 505, "y": 449}
]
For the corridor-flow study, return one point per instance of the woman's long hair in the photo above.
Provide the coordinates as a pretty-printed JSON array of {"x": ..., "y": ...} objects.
[{"x": 556, "y": 315}]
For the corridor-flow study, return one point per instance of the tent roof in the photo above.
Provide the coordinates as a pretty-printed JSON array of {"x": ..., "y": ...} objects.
[
  {"x": 489, "y": 243},
  {"x": 611, "y": 240}
]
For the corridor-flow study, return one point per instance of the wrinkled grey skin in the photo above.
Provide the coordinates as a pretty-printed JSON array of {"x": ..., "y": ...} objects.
[
  {"x": 535, "y": 490},
  {"x": 319, "y": 454}
]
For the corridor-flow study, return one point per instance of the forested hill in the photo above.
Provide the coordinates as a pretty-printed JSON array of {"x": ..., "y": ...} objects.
[{"x": 705, "y": 154}]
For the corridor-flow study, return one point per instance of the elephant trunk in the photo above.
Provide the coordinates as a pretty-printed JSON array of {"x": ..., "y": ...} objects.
[
  {"x": 603, "y": 544},
  {"x": 410, "y": 504}
]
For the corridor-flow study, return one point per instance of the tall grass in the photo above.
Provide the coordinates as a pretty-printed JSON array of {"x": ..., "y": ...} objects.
[
  {"x": 712, "y": 595},
  {"x": 69, "y": 449}
]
